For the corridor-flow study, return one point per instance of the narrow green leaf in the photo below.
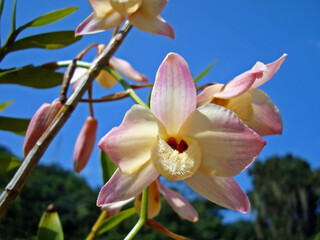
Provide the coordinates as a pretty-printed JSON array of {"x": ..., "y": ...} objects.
[
  {"x": 5, "y": 105},
  {"x": 36, "y": 77},
  {"x": 114, "y": 220},
  {"x": 8, "y": 161},
  {"x": 49, "y": 17},
  {"x": 1, "y": 8},
  {"x": 205, "y": 72},
  {"x": 50, "y": 226},
  {"x": 14, "y": 11},
  {"x": 108, "y": 167},
  {"x": 16, "y": 125},
  {"x": 52, "y": 40}
]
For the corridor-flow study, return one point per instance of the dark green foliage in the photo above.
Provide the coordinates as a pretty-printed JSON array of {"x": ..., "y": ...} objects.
[
  {"x": 72, "y": 197},
  {"x": 285, "y": 198}
]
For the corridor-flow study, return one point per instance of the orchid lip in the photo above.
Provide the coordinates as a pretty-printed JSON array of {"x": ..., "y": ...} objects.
[{"x": 179, "y": 146}]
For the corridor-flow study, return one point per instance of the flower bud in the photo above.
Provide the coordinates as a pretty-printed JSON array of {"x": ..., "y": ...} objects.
[
  {"x": 84, "y": 144},
  {"x": 39, "y": 123}
]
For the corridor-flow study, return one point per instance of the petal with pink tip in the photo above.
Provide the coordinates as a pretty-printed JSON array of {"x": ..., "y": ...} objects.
[
  {"x": 106, "y": 80},
  {"x": 179, "y": 204},
  {"x": 207, "y": 94},
  {"x": 152, "y": 8},
  {"x": 272, "y": 69},
  {"x": 115, "y": 207},
  {"x": 241, "y": 83},
  {"x": 124, "y": 186},
  {"x": 95, "y": 24},
  {"x": 227, "y": 145},
  {"x": 156, "y": 25},
  {"x": 222, "y": 191},
  {"x": 127, "y": 70},
  {"x": 173, "y": 96},
  {"x": 129, "y": 145},
  {"x": 266, "y": 116},
  {"x": 102, "y": 8}
]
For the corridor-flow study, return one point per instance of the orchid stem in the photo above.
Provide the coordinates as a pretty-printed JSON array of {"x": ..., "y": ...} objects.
[
  {"x": 93, "y": 234},
  {"x": 14, "y": 187},
  {"x": 90, "y": 103},
  {"x": 143, "y": 216},
  {"x": 114, "y": 73}
]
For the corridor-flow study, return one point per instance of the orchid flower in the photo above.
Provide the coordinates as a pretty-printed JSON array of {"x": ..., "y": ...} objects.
[
  {"x": 253, "y": 106},
  {"x": 179, "y": 204},
  {"x": 143, "y": 14},
  {"x": 105, "y": 79},
  {"x": 203, "y": 146}
]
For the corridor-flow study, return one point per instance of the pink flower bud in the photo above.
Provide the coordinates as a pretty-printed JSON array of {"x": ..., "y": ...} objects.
[
  {"x": 84, "y": 144},
  {"x": 39, "y": 123}
]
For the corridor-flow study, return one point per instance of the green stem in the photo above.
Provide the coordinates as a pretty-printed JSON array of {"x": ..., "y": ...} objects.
[
  {"x": 114, "y": 73},
  {"x": 13, "y": 27},
  {"x": 143, "y": 216}
]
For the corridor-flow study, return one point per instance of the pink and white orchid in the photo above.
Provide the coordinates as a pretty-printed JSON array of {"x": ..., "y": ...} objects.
[
  {"x": 203, "y": 146},
  {"x": 253, "y": 106},
  {"x": 105, "y": 79},
  {"x": 143, "y": 14},
  {"x": 179, "y": 204}
]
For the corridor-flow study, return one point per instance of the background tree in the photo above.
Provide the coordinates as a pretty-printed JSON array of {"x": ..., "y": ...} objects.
[{"x": 285, "y": 198}]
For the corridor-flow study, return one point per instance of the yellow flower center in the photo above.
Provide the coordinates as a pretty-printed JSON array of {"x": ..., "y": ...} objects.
[{"x": 175, "y": 158}]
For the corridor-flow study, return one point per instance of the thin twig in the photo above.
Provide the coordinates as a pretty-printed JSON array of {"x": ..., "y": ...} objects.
[
  {"x": 66, "y": 80},
  {"x": 17, "y": 182}
]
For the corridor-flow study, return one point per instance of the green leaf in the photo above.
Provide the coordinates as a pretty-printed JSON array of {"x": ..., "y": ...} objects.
[
  {"x": 16, "y": 125},
  {"x": 204, "y": 72},
  {"x": 114, "y": 220},
  {"x": 49, "y": 17},
  {"x": 52, "y": 40},
  {"x": 36, "y": 77},
  {"x": 8, "y": 161},
  {"x": 5, "y": 105},
  {"x": 50, "y": 226},
  {"x": 108, "y": 167}
]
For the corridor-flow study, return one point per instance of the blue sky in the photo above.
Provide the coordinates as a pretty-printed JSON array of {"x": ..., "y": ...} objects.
[{"x": 236, "y": 33}]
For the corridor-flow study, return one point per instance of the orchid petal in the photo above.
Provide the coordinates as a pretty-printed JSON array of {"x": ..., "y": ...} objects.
[
  {"x": 106, "y": 80},
  {"x": 206, "y": 95},
  {"x": 129, "y": 145},
  {"x": 102, "y": 8},
  {"x": 241, "y": 83},
  {"x": 78, "y": 74},
  {"x": 115, "y": 207},
  {"x": 267, "y": 119},
  {"x": 272, "y": 69},
  {"x": 222, "y": 191},
  {"x": 227, "y": 145},
  {"x": 95, "y": 24},
  {"x": 173, "y": 96},
  {"x": 127, "y": 70},
  {"x": 156, "y": 25},
  {"x": 124, "y": 186},
  {"x": 154, "y": 204},
  {"x": 242, "y": 106},
  {"x": 126, "y": 8},
  {"x": 179, "y": 204},
  {"x": 152, "y": 8}
]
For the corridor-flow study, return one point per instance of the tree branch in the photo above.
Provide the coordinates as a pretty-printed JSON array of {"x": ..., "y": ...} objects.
[{"x": 17, "y": 182}]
